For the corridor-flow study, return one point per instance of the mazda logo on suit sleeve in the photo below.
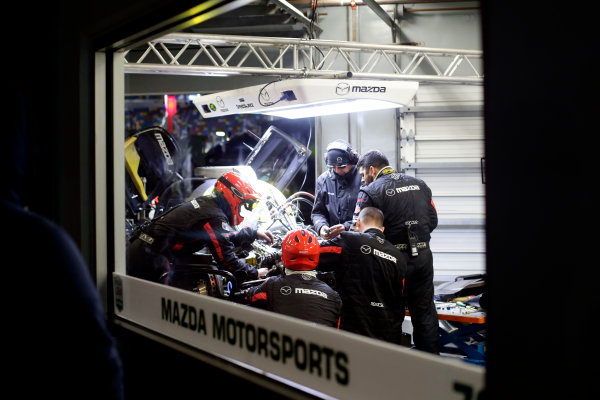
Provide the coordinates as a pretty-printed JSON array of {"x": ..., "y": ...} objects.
[
  {"x": 365, "y": 249},
  {"x": 285, "y": 290}
]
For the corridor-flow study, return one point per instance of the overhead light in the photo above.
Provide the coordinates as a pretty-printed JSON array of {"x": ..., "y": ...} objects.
[
  {"x": 220, "y": 133},
  {"x": 333, "y": 107},
  {"x": 300, "y": 98}
]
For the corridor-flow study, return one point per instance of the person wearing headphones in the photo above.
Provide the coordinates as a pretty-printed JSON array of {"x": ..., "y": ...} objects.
[
  {"x": 336, "y": 191},
  {"x": 154, "y": 249},
  {"x": 298, "y": 292}
]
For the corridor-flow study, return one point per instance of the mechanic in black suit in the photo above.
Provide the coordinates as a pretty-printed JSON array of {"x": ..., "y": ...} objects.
[{"x": 369, "y": 274}]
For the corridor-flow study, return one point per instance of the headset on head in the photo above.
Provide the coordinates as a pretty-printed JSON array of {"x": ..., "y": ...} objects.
[{"x": 344, "y": 146}]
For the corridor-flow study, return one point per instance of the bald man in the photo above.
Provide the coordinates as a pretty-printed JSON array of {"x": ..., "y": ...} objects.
[{"x": 370, "y": 274}]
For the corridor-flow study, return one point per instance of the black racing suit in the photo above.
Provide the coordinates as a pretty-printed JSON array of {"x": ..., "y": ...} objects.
[
  {"x": 409, "y": 218},
  {"x": 335, "y": 198},
  {"x": 369, "y": 274},
  {"x": 298, "y": 295},
  {"x": 182, "y": 231}
]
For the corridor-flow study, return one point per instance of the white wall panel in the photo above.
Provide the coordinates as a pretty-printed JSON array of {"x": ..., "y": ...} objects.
[
  {"x": 459, "y": 240},
  {"x": 449, "y": 146},
  {"x": 459, "y": 210},
  {"x": 449, "y": 265},
  {"x": 455, "y": 128},
  {"x": 449, "y": 151},
  {"x": 458, "y": 252},
  {"x": 335, "y": 22},
  {"x": 377, "y": 130},
  {"x": 333, "y": 127},
  {"x": 429, "y": 95},
  {"x": 461, "y": 182}
]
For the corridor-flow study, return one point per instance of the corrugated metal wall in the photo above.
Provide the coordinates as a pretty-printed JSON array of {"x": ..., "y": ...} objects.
[{"x": 448, "y": 153}]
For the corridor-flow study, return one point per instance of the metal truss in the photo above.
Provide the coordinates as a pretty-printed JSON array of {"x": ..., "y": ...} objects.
[{"x": 202, "y": 54}]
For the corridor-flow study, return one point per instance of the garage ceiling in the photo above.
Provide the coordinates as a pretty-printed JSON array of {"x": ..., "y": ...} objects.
[
  {"x": 291, "y": 19},
  {"x": 296, "y": 18},
  {"x": 274, "y": 18}
]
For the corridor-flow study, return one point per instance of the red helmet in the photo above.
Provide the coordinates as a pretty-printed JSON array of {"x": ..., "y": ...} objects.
[
  {"x": 238, "y": 192},
  {"x": 300, "y": 250}
]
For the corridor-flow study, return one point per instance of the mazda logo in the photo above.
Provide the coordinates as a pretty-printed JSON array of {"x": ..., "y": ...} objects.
[
  {"x": 342, "y": 89},
  {"x": 365, "y": 249},
  {"x": 390, "y": 192},
  {"x": 285, "y": 290}
]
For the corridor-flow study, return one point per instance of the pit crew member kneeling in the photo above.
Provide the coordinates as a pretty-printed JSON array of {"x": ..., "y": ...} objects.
[
  {"x": 298, "y": 292},
  {"x": 185, "y": 229}
]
